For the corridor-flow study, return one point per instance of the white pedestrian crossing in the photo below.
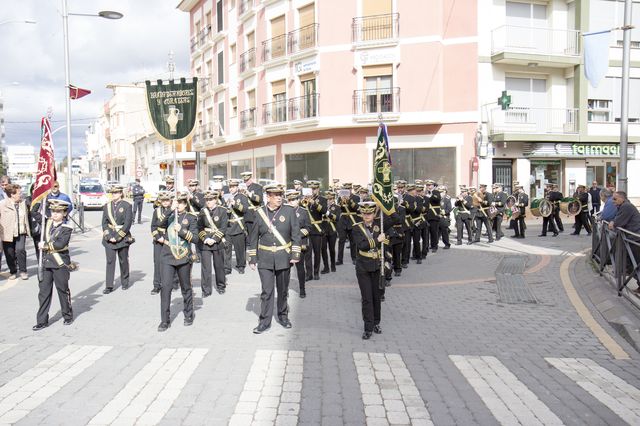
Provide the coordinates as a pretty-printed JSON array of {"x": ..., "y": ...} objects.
[
  {"x": 388, "y": 392},
  {"x": 272, "y": 390},
  {"x": 621, "y": 397},
  {"x": 21, "y": 395},
  {"x": 508, "y": 399},
  {"x": 147, "y": 397}
]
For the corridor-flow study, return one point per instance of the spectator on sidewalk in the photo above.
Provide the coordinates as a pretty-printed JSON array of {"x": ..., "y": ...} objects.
[
  {"x": 55, "y": 194},
  {"x": 627, "y": 218},
  {"x": 609, "y": 210},
  {"x": 138, "y": 199},
  {"x": 4, "y": 181},
  {"x": 14, "y": 229},
  {"x": 35, "y": 221},
  {"x": 594, "y": 191}
]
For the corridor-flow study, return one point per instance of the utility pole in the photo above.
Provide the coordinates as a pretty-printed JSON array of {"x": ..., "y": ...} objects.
[{"x": 624, "y": 107}]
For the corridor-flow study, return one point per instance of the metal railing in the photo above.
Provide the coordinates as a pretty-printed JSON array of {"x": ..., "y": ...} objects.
[
  {"x": 274, "y": 112},
  {"x": 302, "y": 38},
  {"x": 244, "y": 6},
  {"x": 371, "y": 101},
  {"x": 537, "y": 41},
  {"x": 275, "y": 47},
  {"x": 203, "y": 85},
  {"x": 247, "y": 60},
  {"x": 248, "y": 119},
  {"x": 304, "y": 107},
  {"x": 200, "y": 39},
  {"x": 375, "y": 27},
  {"x": 616, "y": 254},
  {"x": 534, "y": 120}
]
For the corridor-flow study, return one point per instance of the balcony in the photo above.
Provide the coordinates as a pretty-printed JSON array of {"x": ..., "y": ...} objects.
[
  {"x": 371, "y": 102},
  {"x": 248, "y": 120},
  {"x": 274, "y": 112},
  {"x": 548, "y": 47},
  {"x": 303, "y": 39},
  {"x": 274, "y": 48},
  {"x": 247, "y": 61},
  {"x": 304, "y": 107},
  {"x": 245, "y": 9},
  {"x": 199, "y": 40},
  {"x": 203, "y": 86},
  {"x": 376, "y": 29},
  {"x": 534, "y": 121}
]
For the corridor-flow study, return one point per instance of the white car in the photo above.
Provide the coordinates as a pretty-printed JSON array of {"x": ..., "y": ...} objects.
[{"x": 91, "y": 195}]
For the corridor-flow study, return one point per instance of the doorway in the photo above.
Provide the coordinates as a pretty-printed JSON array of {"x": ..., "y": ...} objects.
[{"x": 502, "y": 173}]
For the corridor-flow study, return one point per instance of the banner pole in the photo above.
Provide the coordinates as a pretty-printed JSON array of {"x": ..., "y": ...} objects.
[{"x": 43, "y": 209}]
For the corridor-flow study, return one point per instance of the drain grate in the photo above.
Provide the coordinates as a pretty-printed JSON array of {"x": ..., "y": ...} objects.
[
  {"x": 514, "y": 289},
  {"x": 511, "y": 265}
]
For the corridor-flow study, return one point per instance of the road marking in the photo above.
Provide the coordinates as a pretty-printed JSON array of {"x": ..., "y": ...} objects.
[
  {"x": 388, "y": 391},
  {"x": 6, "y": 346},
  {"x": 508, "y": 399},
  {"x": 27, "y": 391},
  {"x": 622, "y": 398},
  {"x": 272, "y": 390},
  {"x": 607, "y": 341},
  {"x": 149, "y": 395}
]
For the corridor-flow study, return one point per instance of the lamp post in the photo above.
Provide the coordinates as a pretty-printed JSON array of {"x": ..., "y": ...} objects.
[
  {"x": 624, "y": 104},
  {"x": 107, "y": 14}
]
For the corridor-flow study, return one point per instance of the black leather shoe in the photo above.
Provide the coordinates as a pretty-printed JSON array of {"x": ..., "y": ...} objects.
[
  {"x": 469, "y": 243},
  {"x": 68, "y": 321},
  {"x": 387, "y": 283},
  {"x": 324, "y": 271},
  {"x": 574, "y": 233},
  {"x": 490, "y": 241},
  {"x": 515, "y": 236},
  {"x": 397, "y": 273},
  {"x": 163, "y": 326},
  {"x": 405, "y": 266},
  {"x": 338, "y": 263},
  {"x": 309, "y": 278},
  {"x": 459, "y": 243},
  {"x": 382, "y": 298},
  {"x": 434, "y": 250},
  {"x": 419, "y": 261},
  {"x": 447, "y": 247},
  {"x": 333, "y": 269},
  {"x": 366, "y": 335},
  {"x": 555, "y": 234},
  {"x": 303, "y": 294},
  {"x": 221, "y": 290},
  {"x": 228, "y": 271},
  {"x": 316, "y": 277},
  {"x": 261, "y": 329},
  {"x": 125, "y": 286},
  {"x": 107, "y": 290},
  {"x": 205, "y": 295},
  {"x": 285, "y": 323},
  {"x": 155, "y": 291},
  {"x": 542, "y": 235},
  {"x": 377, "y": 329},
  {"x": 241, "y": 270},
  {"x": 39, "y": 327},
  {"x": 189, "y": 321}
]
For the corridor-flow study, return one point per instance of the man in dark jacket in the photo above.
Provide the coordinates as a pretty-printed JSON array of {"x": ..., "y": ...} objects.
[
  {"x": 582, "y": 218},
  {"x": 117, "y": 218},
  {"x": 212, "y": 225},
  {"x": 594, "y": 191},
  {"x": 293, "y": 199},
  {"x": 137, "y": 193}
]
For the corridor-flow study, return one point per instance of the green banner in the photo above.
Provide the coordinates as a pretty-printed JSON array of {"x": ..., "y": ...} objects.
[
  {"x": 172, "y": 108},
  {"x": 382, "y": 173}
]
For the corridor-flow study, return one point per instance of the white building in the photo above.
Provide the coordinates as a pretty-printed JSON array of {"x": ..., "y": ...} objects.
[{"x": 21, "y": 160}]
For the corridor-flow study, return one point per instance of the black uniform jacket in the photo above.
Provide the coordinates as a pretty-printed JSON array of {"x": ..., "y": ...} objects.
[
  {"x": 484, "y": 209},
  {"x": 434, "y": 209},
  {"x": 446, "y": 207},
  {"x": 464, "y": 207},
  {"x": 500, "y": 200},
  {"x": 238, "y": 208},
  {"x": 116, "y": 223},
  {"x": 584, "y": 201},
  {"x": 305, "y": 225},
  {"x": 331, "y": 219},
  {"x": 366, "y": 241},
  {"x": 180, "y": 253},
  {"x": 349, "y": 212},
  {"x": 275, "y": 238},
  {"x": 555, "y": 197},
  {"x": 56, "y": 245},
  {"x": 157, "y": 231},
  {"x": 317, "y": 208},
  {"x": 196, "y": 202},
  {"x": 255, "y": 197},
  {"x": 212, "y": 224},
  {"x": 522, "y": 202}
]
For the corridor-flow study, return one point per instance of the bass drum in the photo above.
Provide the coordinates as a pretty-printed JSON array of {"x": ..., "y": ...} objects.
[
  {"x": 493, "y": 212},
  {"x": 541, "y": 207},
  {"x": 512, "y": 212},
  {"x": 570, "y": 206}
]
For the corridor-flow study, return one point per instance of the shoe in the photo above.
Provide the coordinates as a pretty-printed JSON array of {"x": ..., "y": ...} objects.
[
  {"x": 366, "y": 335},
  {"x": 387, "y": 282},
  {"x": 333, "y": 269},
  {"x": 325, "y": 271},
  {"x": 24, "y": 276},
  {"x": 155, "y": 291},
  {"x": 227, "y": 271},
  {"x": 498, "y": 238},
  {"x": 316, "y": 277},
  {"x": 382, "y": 298},
  {"x": 241, "y": 270},
  {"x": 303, "y": 294},
  {"x": 39, "y": 327},
  {"x": 13, "y": 277},
  {"x": 189, "y": 321},
  {"x": 125, "y": 286},
  {"x": 139, "y": 222},
  {"x": 476, "y": 241},
  {"x": 68, "y": 321},
  {"x": 339, "y": 262},
  {"x": 469, "y": 243},
  {"x": 588, "y": 233},
  {"x": 521, "y": 236},
  {"x": 261, "y": 329},
  {"x": 163, "y": 326},
  {"x": 490, "y": 241},
  {"x": 309, "y": 278},
  {"x": 405, "y": 266},
  {"x": 555, "y": 234},
  {"x": 107, "y": 290},
  {"x": 419, "y": 261},
  {"x": 285, "y": 323},
  {"x": 434, "y": 250},
  {"x": 377, "y": 329},
  {"x": 542, "y": 235},
  {"x": 515, "y": 236},
  {"x": 397, "y": 273},
  {"x": 447, "y": 247},
  {"x": 574, "y": 233},
  {"x": 205, "y": 295},
  {"x": 221, "y": 290},
  {"x": 459, "y": 243}
]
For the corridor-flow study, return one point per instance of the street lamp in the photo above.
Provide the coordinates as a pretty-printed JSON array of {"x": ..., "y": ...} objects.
[{"x": 106, "y": 14}]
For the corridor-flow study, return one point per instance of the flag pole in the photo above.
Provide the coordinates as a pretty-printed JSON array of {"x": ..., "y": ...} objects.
[
  {"x": 43, "y": 209},
  {"x": 381, "y": 283}
]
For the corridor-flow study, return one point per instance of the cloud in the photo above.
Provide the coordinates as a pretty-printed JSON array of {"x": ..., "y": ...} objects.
[{"x": 134, "y": 48}]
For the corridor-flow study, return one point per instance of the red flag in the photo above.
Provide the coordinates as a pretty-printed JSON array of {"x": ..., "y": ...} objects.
[
  {"x": 46, "y": 173},
  {"x": 77, "y": 93}
]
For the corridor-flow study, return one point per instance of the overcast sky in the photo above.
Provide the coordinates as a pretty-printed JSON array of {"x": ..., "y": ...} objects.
[{"x": 134, "y": 48}]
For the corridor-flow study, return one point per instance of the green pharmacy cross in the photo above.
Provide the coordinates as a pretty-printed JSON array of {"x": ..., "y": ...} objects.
[{"x": 504, "y": 100}]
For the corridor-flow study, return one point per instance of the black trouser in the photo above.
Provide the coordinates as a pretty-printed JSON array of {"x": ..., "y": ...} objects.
[
  {"x": 157, "y": 266},
  {"x": 444, "y": 231},
  {"x": 425, "y": 235},
  {"x": 307, "y": 258},
  {"x": 548, "y": 224},
  {"x": 272, "y": 280},
  {"x": 59, "y": 277},
  {"x": 497, "y": 221},
  {"x": 519, "y": 226},
  {"x": 595, "y": 209},
  {"x": 556, "y": 218},
  {"x": 239, "y": 246},
  {"x": 300, "y": 270},
  {"x": 483, "y": 220},
  {"x": 370, "y": 294},
  {"x": 228, "y": 250},
  {"x": 184, "y": 276},
  {"x": 36, "y": 240},
  {"x": 406, "y": 246},
  {"x": 461, "y": 224},
  {"x": 582, "y": 219},
  {"x": 397, "y": 247},
  {"x": 416, "y": 233},
  {"x": 434, "y": 231},
  {"x": 342, "y": 239},
  {"x": 137, "y": 207},
  {"x": 329, "y": 241},
  {"x": 123, "y": 259},
  {"x": 316, "y": 244},
  {"x": 16, "y": 254},
  {"x": 209, "y": 257}
]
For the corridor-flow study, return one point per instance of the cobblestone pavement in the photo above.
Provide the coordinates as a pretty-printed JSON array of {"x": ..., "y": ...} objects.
[{"x": 481, "y": 334}]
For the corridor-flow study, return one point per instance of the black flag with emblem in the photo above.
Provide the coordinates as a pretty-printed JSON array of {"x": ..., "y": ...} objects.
[
  {"x": 172, "y": 107},
  {"x": 382, "y": 174}
]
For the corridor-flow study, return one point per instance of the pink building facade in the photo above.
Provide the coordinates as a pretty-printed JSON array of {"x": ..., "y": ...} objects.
[{"x": 294, "y": 89}]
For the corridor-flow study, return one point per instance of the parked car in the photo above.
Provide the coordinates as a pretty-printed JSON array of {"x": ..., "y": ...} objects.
[{"x": 91, "y": 195}]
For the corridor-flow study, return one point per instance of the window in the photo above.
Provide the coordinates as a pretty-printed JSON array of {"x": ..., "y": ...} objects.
[
  {"x": 307, "y": 29},
  {"x": 278, "y": 46},
  {"x": 220, "y": 129},
  {"x": 310, "y": 166},
  {"x": 438, "y": 164},
  {"x": 219, "y": 15},
  {"x": 239, "y": 166},
  {"x": 208, "y": 19},
  {"x": 232, "y": 54},
  {"x": 376, "y": 7},
  {"x": 265, "y": 167},
  {"x": 378, "y": 94},
  {"x": 234, "y": 107},
  {"x": 307, "y": 105},
  {"x": 277, "y": 111},
  {"x": 599, "y": 110},
  {"x": 377, "y": 21},
  {"x": 527, "y": 92},
  {"x": 220, "y": 67},
  {"x": 216, "y": 169}
]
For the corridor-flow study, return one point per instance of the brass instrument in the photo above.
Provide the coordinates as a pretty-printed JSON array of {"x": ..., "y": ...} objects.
[{"x": 477, "y": 199}]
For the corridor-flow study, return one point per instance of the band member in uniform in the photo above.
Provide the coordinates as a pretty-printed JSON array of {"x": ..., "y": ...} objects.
[
  {"x": 482, "y": 201},
  {"x": 555, "y": 196},
  {"x": 169, "y": 184},
  {"x": 137, "y": 193},
  {"x": 117, "y": 218},
  {"x": 349, "y": 208},
  {"x": 238, "y": 206},
  {"x": 499, "y": 202},
  {"x": 329, "y": 222},
  {"x": 407, "y": 227},
  {"x": 463, "y": 216},
  {"x": 415, "y": 212},
  {"x": 317, "y": 207},
  {"x": 582, "y": 218},
  {"x": 219, "y": 185},
  {"x": 426, "y": 232},
  {"x": 158, "y": 235},
  {"x": 515, "y": 195},
  {"x": 177, "y": 258},
  {"x": 274, "y": 244},
  {"x": 368, "y": 238},
  {"x": 57, "y": 264},
  {"x": 195, "y": 196},
  {"x": 254, "y": 195},
  {"x": 397, "y": 241},
  {"x": 522, "y": 201},
  {"x": 422, "y": 203},
  {"x": 433, "y": 215},
  {"x": 547, "y": 222},
  {"x": 445, "y": 216},
  {"x": 297, "y": 186},
  {"x": 293, "y": 199},
  {"x": 212, "y": 224}
]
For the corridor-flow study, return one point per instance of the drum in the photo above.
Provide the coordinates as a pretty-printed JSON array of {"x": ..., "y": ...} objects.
[
  {"x": 541, "y": 207},
  {"x": 493, "y": 212},
  {"x": 570, "y": 206},
  {"x": 515, "y": 213}
]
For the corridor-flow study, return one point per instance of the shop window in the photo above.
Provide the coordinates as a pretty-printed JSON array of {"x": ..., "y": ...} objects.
[
  {"x": 599, "y": 110},
  {"x": 265, "y": 168},
  {"x": 309, "y": 166},
  {"x": 438, "y": 164},
  {"x": 239, "y": 166},
  {"x": 543, "y": 172}
]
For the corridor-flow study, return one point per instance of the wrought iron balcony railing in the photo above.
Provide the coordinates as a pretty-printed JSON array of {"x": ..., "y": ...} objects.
[
  {"x": 304, "y": 107},
  {"x": 247, "y": 60},
  {"x": 375, "y": 27},
  {"x": 274, "y": 48},
  {"x": 370, "y": 101},
  {"x": 274, "y": 112},
  {"x": 303, "y": 38},
  {"x": 248, "y": 119}
]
